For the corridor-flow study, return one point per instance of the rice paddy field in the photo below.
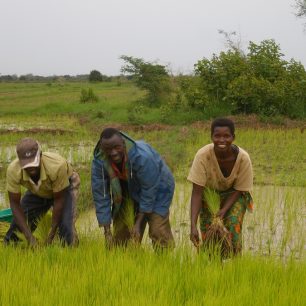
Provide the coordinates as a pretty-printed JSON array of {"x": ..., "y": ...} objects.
[{"x": 272, "y": 268}]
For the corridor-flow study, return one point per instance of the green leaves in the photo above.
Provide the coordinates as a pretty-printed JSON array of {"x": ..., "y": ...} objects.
[
  {"x": 260, "y": 82},
  {"x": 149, "y": 76}
]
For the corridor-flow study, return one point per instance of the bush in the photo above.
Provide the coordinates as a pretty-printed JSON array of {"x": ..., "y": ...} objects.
[
  {"x": 260, "y": 82},
  {"x": 88, "y": 96}
]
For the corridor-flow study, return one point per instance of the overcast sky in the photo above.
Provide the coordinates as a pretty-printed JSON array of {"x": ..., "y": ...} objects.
[{"x": 47, "y": 37}]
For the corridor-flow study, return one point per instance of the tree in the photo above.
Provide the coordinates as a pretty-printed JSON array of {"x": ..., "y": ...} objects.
[
  {"x": 265, "y": 60},
  {"x": 232, "y": 41},
  {"x": 149, "y": 76},
  {"x": 95, "y": 76},
  {"x": 217, "y": 73},
  {"x": 301, "y": 8},
  {"x": 260, "y": 82}
]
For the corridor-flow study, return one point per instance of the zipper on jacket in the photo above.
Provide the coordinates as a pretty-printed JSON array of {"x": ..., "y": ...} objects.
[{"x": 103, "y": 181}]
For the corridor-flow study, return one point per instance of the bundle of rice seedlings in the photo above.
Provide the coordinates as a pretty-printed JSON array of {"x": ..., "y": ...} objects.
[
  {"x": 129, "y": 214},
  {"x": 41, "y": 232},
  {"x": 43, "y": 227},
  {"x": 217, "y": 239},
  {"x": 126, "y": 216}
]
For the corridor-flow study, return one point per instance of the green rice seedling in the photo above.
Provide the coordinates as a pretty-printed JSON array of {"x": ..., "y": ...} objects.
[
  {"x": 217, "y": 239},
  {"x": 212, "y": 198},
  {"x": 126, "y": 216},
  {"x": 89, "y": 274},
  {"x": 43, "y": 227},
  {"x": 41, "y": 232}
]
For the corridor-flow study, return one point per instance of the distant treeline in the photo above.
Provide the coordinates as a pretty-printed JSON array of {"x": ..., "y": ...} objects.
[{"x": 55, "y": 78}]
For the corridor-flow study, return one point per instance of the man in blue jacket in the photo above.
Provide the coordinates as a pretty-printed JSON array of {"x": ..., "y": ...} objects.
[{"x": 131, "y": 174}]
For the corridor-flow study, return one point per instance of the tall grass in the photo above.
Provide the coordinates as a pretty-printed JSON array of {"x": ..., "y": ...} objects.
[{"x": 90, "y": 275}]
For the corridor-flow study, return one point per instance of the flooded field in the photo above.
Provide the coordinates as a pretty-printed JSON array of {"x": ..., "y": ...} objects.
[
  {"x": 276, "y": 227},
  {"x": 278, "y": 223}
]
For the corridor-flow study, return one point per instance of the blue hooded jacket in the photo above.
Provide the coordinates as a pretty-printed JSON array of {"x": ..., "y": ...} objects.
[{"x": 150, "y": 182}]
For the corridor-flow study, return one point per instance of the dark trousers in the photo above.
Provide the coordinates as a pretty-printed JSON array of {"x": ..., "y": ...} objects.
[{"x": 35, "y": 207}]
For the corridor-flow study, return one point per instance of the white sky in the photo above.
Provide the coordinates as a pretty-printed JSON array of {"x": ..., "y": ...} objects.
[{"x": 47, "y": 37}]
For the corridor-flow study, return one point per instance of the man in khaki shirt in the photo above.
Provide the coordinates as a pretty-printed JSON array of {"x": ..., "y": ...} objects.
[{"x": 50, "y": 181}]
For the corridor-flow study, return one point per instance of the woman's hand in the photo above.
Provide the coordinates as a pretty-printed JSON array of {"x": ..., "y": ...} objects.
[
  {"x": 221, "y": 213},
  {"x": 194, "y": 236}
]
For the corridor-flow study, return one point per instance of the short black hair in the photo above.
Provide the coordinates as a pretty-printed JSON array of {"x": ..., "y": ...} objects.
[
  {"x": 223, "y": 122},
  {"x": 108, "y": 133}
]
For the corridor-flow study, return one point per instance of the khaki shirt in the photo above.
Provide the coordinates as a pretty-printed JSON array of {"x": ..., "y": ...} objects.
[
  {"x": 55, "y": 172},
  {"x": 205, "y": 171}
]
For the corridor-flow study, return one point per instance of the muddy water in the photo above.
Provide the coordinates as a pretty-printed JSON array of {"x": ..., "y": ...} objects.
[{"x": 277, "y": 225}]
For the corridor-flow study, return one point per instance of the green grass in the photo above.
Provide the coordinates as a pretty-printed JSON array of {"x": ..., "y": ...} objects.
[
  {"x": 43, "y": 100},
  {"x": 272, "y": 269},
  {"x": 90, "y": 275}
]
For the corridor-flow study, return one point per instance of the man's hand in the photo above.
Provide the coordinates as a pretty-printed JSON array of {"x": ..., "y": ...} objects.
[
  {"x": 108, "y": 237},
  {"x": 194, "y": 236},
  {"x": 136, "y": 233},
  {"x": 32, "y": 242},
  {"x": 50, "y": 237},
  {"x": 136, "y": 229}
]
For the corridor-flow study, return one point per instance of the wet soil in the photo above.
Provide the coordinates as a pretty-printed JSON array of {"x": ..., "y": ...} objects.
[
  {"x": 250, "y": 121},
  {"x": 35, "y": 131}
]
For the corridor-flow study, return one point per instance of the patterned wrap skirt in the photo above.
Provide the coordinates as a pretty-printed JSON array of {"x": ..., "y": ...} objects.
[{"x": 233, "y": 218}]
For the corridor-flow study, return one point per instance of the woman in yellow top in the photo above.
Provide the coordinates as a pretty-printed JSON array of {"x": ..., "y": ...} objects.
[{"x": 227, "y": 169}]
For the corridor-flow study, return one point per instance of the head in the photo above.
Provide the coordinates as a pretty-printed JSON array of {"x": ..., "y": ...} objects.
[
  {"x": 222, "y": 133},
  {"x": 29, "y": 154},
  {"x": 112, "y": 144}
]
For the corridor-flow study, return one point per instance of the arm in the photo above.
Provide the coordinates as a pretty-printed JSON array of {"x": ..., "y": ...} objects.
[
  {"x": 58, "y": 208},
  {"x": 101, "y": 195},
  {"x": 196, "y": 204},
  {"x": 228, "y": 203},
  {"x": 148, "y": 176},
  {"x": 19, "y": 217}
]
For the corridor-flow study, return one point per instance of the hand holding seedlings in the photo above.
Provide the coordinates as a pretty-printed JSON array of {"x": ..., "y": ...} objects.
[{"x": 194, "y": 236}]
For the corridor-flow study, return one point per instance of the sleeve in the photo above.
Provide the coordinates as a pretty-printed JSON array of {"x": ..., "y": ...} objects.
[
  {"x": 147, "y": 173},
  {"x": 12, "y": 181},
  {"x": 62, "y": 179},
  {"x": 101, "y": 193},
  {"x": 244, "y": 180},
  {"x": 197, "y": 173}
]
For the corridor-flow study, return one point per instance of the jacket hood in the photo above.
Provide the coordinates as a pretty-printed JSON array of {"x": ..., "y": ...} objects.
[{"x": 127, "y": 139}]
